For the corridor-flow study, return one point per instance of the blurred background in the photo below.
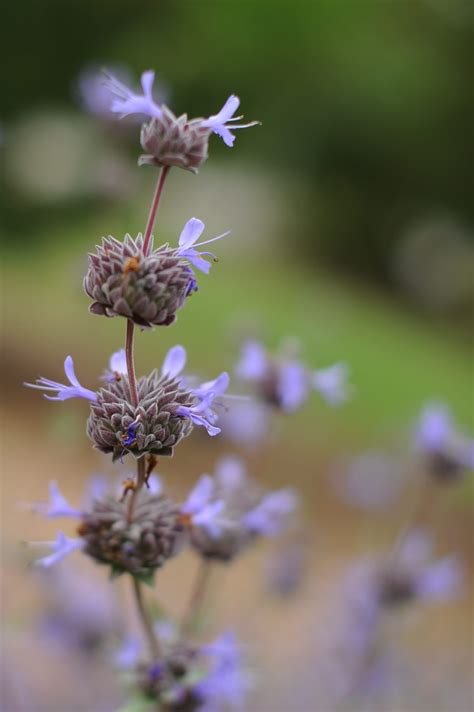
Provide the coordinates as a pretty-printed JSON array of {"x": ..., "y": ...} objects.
[{"x": 352, "y": 231}]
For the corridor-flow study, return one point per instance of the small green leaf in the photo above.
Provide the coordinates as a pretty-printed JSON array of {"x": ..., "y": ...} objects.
[
  {"x": 147, "y": 577},
  {"x": 138, "y": 703},
  {"x": 115, "y": 572}
]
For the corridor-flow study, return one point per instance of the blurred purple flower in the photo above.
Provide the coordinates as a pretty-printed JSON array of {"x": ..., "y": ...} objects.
[
  {"x": 75, "y": 390},
  {"x": 287, "y": 382},
  {"x": 81, "y": 614},
  {"x": 235, "y": 511},
  {"x": 271, "y": 515},
  {"x": 174, "y": 362},
  {"x": 125, "y": 102},
  {"x": 61, "y": 547},
  {"x": 57, "y": 506},
  {"x": 117, "y": 366},
  {"x": 448, "y": 452},
  {"x": 409, "y": 575},
  {"x": 331, "y": 383},
  {"x": 227, "y": 683},
  {"x": 286, "y": 566},
  {"x": 204, "y": 512},
  {"x": 246, "y": 422}
]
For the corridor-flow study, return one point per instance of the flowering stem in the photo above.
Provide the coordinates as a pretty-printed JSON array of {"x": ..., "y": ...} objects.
[
  {"x": 132, "y": 380},
  {"x": 420, "y": 505},
  {"x": 154, "y": 207},
  {"x": 147, "y": 625},
  {"x": 197, "y": 595}
]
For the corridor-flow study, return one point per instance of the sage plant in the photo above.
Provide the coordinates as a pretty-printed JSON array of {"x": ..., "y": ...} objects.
[{"x": 135, "y": 531}]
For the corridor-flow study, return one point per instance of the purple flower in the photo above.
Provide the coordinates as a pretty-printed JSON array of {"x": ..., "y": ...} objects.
[
  {"x": 287, "y": 382},
  {"x": 190, "y": 233},
  {"x": 117, "y": 366},
  {"x": 75, "y": 390},
  {"x": 175, "y": 361},
  {"x": 292, "y": 386},
  {"x": 254, "y": 362},
  {"x": 227, "y": 683},
  {"x": 331, "y": 383},
  {"x": 81, "y": 615},
  {"x": 61, "y": 547},
  {"x": 128, "y": 655},
  {"x": 246, "y": 422},
  {"x": 434, "y": 428},
  {"x": 218, "y": 122},
  {"x": 203, "y": 412},
  {"x": 437, "y": 436},
  {"x": 199, "y": 414},
  {"x": 233, "y": 511},
  {"x": 203, "y": 511},
  {"x": 127, "y": 102},
  {"x": 230, "y": 474},
  {"x": 57, "y": 506},
  {"x": 271, "y": 516},
  {"x": 409, "y": 574}
]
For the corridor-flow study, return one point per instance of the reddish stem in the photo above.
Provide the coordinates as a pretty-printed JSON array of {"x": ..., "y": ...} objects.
[
  {"x": 154, "y": 207},
  {"x": 132, "y": 380}
]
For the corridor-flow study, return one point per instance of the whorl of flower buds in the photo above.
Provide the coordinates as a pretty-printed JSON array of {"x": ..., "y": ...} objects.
[
  {"x": 170, "y": 680},
  {"x": 148, "y": 289},
  {"x": 239, "y": 512},
  {"x": 139, "y": 546},
  {"x": 116, "y": 426},
  {"x": 174, "y": 141}
]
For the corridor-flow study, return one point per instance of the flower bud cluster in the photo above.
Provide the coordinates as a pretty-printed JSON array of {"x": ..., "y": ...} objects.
[
  {"x": 174, "y": 141},
  {"x": 139, "y": 545},
  {"x": 116, "y": 426},
  {"x": 147, "y": 288}
]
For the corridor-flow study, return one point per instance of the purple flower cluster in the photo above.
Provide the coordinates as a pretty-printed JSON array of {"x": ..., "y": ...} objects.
[
  {"x": 126, "y": 102},
  {"x": 221, "y": 516},
  {"x": 203, "y": 398},
  {"x": 285, "y": 383},
  {"x": 447, "y": 452}
]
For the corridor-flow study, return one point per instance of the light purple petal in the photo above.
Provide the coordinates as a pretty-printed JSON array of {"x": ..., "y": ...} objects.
[
  {"x": 293, "y": 385},
  {"x": 75, "y": 390},
  {"x": 200, "y": 495},
  {"x": 191, "y": 232},
  {"x": 435, "y": 427},
  {"x": 126, "y": 102},
  {"x": 155, "y": 485},
  {"x": 128, "y": 654},
  {"x": 441, "y": 581},
  {"x": 199, "y": 420},
  {"x": 60, "y": 548},
  {"x": 118, "y": 362},
  {"x": 253, "y": 362},
  {"x": 272, "y": 514},
  {"x": 69, "y": 371},
  {"x": 415, "y": 549},
  {"x": 208, "y": 518},
  {"x": 175, "y": 361},
  {"x": 331, "y": 383},
  {"x": 57, "y": 506},
  {"x": 218, "y": 386},
  {"x": 197, "y": 260},
  {"x": 146, "y": 81},
  {"x": 230, "y": 473},
  {"x": 226, "y": 113}
]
